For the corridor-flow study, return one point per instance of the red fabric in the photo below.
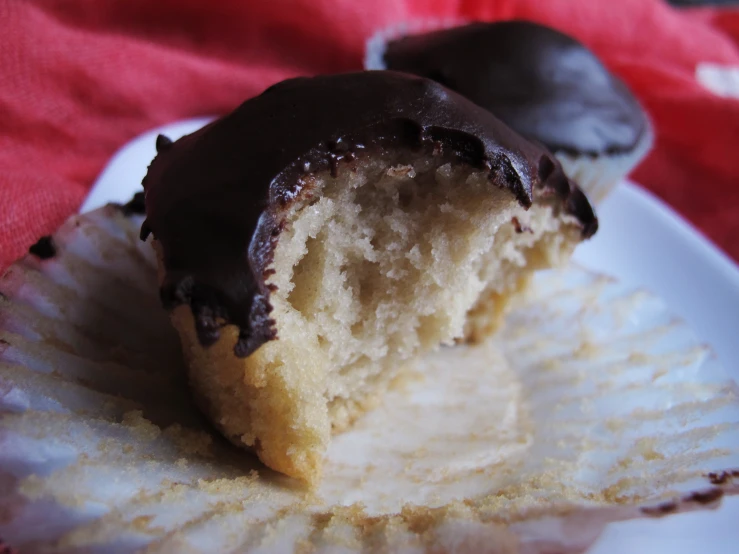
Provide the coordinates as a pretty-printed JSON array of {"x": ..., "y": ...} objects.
[{"x": 79, "y": 79}]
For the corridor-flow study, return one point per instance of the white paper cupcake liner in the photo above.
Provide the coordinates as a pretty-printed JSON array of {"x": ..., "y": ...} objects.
[
  {"x": 594, "y": 404},
  {"x": 596, "y": 175},
  {"x": 374, "y": 51}
]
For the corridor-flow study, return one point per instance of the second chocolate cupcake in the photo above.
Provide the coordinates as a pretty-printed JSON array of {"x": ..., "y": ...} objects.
[{"x": 542, "y": 83}]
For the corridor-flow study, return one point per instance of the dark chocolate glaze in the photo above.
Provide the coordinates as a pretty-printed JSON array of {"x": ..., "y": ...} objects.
[
  {"x": 163, "y": 143},
  {"x": 44, "y": 248},
  {"x": 135, "y": 206},
  {"x": 542, "y": 83},
  {"x": 216, "y": 199}
]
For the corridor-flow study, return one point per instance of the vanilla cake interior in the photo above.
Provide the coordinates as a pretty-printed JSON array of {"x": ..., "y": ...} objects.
[{"x": 374, "y": 267}]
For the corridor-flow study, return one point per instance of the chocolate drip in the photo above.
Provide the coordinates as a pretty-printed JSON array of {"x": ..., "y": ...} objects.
[
  {"x": 44, "y": 248},
  {"x": 163, "y": 143},
  {"x": 135, "y": 206}
]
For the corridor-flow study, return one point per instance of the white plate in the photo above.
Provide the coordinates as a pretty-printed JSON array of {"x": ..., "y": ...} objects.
[{"x": 642, "y": 242}]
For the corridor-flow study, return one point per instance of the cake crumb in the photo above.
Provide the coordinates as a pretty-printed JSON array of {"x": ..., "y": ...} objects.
[{"x": 141, "y": 427}]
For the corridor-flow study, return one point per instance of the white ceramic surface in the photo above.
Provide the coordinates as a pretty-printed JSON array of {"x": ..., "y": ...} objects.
[{"x": 642, "y": 242}]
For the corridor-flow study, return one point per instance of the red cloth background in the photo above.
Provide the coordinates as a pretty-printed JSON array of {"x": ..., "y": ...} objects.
[{"x": 79, "y": 79}]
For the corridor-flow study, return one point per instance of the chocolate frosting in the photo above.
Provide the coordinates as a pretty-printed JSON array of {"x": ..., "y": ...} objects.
[
  {"x": 542, "y": 83},
  {"x": 216, "y": 199},
  {"x": 135, "y": 206}
]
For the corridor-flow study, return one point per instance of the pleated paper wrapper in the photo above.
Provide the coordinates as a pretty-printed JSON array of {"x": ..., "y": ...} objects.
[{"x": 594, "y": 404}]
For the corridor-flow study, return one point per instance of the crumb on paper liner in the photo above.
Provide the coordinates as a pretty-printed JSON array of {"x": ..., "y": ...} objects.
[{"x": 593, "y": 405}]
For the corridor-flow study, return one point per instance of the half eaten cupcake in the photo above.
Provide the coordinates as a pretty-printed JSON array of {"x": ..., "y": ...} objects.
[
  {"x": 330, "y": 231},
  {"x": 543, "y": 84}
]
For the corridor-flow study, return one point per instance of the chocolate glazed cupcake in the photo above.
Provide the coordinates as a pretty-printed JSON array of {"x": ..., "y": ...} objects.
[
  {"x": 542, "y": 83},
  {"x": 333, "y": 229}
]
